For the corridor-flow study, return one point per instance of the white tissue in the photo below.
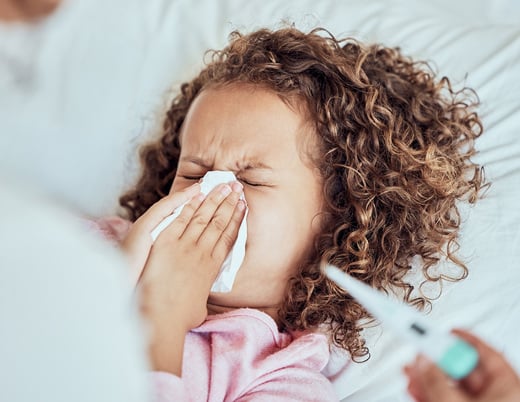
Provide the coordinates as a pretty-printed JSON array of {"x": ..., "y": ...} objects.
[{"x": 229, "y": 269}]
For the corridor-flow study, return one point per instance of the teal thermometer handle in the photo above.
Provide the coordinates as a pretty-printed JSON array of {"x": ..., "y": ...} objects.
[
  {"x": 459, "y": 360},
  {"x": 454, "y": 356}
]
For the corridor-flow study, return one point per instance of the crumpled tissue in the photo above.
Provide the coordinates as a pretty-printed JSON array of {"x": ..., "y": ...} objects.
[{"x": 232, "y": 263}]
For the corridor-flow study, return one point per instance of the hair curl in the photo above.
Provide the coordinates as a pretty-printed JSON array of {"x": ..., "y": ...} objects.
[{"x": 395, "y": 148}]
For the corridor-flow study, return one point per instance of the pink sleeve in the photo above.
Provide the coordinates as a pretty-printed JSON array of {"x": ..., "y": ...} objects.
[
  {"x": 292, "y": 384},
  {"x": 289, "y": 384},
  {"x": 167, "y": 387},
  {"x": 111, "y": 228}
]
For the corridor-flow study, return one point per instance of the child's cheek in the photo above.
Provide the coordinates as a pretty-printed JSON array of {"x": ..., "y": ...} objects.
[
  {"x": 255, "y": 221},
  {"x": 263, "y": 220},
  {"x": 178, "y": 185},
  {"x": 174, "y": 188}
]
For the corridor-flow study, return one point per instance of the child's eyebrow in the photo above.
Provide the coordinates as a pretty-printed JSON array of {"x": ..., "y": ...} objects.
[
  {"x": 249, "y": 165},
  {"x": 255, "y": 165},
  {"x": 197, "y": 161}
]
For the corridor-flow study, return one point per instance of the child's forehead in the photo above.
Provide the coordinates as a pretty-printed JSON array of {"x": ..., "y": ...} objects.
[
  {"x": 253, "y": 124},
  {"x": 252, "y": 100}
]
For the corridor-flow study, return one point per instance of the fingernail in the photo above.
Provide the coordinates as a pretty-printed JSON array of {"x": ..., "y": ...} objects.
[
  {"x": 226, "y": 190},
  {"x": 200, "y": 196},
  {"x": 237, "y": 187},
  {"x": 241, "y": 205}
]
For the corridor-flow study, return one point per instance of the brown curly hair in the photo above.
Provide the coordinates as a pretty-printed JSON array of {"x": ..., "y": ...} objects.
[{"x": 394, "y": 153}]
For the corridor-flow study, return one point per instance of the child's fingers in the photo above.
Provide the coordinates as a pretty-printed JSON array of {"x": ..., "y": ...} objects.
[
  {"x": 138, "y": 242},
  {"x": 204, "y": 214},
  {"x": 176, "y": 229},
  {"x": 165, "y": 206},
  {"x": 221, "y": 219},
  {"x": 229, "y": 235}
]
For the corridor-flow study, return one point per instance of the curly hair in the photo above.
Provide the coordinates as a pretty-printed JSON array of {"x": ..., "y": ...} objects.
[{"x": 394, "y": 151}]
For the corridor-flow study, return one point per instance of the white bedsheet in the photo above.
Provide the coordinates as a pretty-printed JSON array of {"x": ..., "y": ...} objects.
[{"x": 100, "y": 70}]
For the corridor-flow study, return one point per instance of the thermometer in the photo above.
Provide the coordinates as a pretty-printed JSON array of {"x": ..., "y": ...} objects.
[{"x": 453, "y": 355}]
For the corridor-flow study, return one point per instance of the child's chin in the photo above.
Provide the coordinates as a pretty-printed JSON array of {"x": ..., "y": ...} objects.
[
  {"x": 218, "y": 304},
  {"x": 221, "y": 298}
]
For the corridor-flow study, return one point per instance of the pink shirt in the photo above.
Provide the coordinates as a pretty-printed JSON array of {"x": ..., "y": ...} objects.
[{"x": 241, "y": 356}]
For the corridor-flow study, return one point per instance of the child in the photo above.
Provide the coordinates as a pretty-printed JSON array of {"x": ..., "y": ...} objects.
[{"x": 346, "y": 153}]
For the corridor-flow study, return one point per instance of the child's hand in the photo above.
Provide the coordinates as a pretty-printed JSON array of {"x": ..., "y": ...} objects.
[
  {"x": 183, "y": 263},
  {"x": 138, "y": 242},
  {"x": 186, "y": 257}
]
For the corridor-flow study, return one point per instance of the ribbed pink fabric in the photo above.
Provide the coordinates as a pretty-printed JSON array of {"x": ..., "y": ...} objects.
[{"x": 241, "y": 356}]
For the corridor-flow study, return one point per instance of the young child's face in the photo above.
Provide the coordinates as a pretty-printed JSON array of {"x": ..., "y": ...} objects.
[{"x": 252, "y": 132}]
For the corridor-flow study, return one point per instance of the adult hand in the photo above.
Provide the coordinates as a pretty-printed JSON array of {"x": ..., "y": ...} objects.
[
  {"x": 493, "y": 380},
  {"x": 27, "y": 10}
]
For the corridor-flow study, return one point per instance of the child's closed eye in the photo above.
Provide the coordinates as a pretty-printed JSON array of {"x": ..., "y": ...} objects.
[
  {"x": 250, "y": 183},
  {"x": 247, "y": 182},
  {"x": 195, "y": 178}
]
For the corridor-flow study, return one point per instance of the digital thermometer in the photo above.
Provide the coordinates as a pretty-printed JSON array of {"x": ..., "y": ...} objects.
[{"x": 454, "y": 356}]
